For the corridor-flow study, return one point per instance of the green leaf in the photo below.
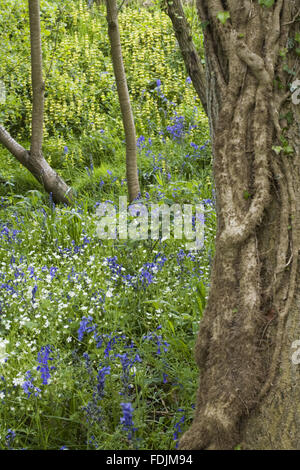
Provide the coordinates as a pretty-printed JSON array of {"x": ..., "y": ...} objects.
[
  {"x": 204, "y": 24},
  {"x": 283, "y": 52},
  {"x": 277, "y": 149},
  {"x": 266, "y": 3},
  {"x": 171, "y": 327},
  {"x": 297, "y": 37},
  {"x": 246, "y": 195},
  {"x": 223, "y": 16},
  {"x": 288, "y": 149},
  {"x": 289, "y": 117},
  {"x": 288, "y": 70}
]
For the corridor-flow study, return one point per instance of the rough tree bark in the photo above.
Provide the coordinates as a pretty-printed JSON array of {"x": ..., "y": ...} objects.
[
  {"x": 126, "y": 110},
  {"x": 249, "y": 389},
  {"x": 33, "y": 160},
  {"x": 187, "y": 47}
]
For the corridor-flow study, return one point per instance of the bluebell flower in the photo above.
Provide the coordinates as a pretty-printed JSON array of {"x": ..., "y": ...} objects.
[
  {"x": 207, "y": 201},
  {"x": 112, "y": 341},
  {"x": 101, "y": 379},
  {"x": 127, "y": 363},
  {"x": 127, "y": 420},
  {"x": 28, "y": 385},
  {"x": 34, "y": 293},
  {"x": 86, "y": 325},
  {"x": 140, "y": 142},
  {"x": 93, "y": 409},
  {"x": 177, "y": 129},
  {"x": 53, "y": 271},
  {"x": 43, "y": 358},
  {"x": 178, "y": 429},
  {"x": 9, "y": 438},
  {"x": 160, "y": 343}
]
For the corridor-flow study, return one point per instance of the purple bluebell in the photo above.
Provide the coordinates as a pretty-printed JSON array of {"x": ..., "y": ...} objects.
[
  {"x": 126, "y": 420},
  {"x": 43, "y": 358}
]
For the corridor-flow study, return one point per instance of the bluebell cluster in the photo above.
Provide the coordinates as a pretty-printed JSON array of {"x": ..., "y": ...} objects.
[
  {"x": 144, "y": 278},
  {"x": 194, "y": 270},
  {"x": 9, "y": 234},
  {"x": 43, "y": 359},
  {"x": 9, "y": 438},
  {"x": 158, "y": 340},
  {"x": 178, "y": 427},
  {"x": 116, "y": 347},
  {"x": 127, "y": 420},
  {"x": 177, "y": 129},
  {"x": 28, "y": 386},
  {"x": 127, "y": 364}
]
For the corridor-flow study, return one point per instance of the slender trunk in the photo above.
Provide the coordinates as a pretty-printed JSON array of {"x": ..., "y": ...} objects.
[
  {"x": 126, "y": 110},
  {"x": 188, "y": 50},
  {"x": 36, "y": 79},
  {"x": 244, "y": 344},
  {"x": 40, "y": 169}
]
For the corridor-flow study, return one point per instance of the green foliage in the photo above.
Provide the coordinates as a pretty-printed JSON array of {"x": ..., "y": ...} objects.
[
  {"x": 266, "y": 3},
  {"x": 223, "y": 16},
  {"x": 81, "y": 98}
]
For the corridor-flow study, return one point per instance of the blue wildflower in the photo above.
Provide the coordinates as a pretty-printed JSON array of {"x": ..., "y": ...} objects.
[
  {"x": 9, "y": 438},
  {"x": 28, "y": 385},
  {"x": 101, "y": 379},
  {"x": 178, "y": 429},
  {"x": 43, "y": 358},
  {"x": 126, "y": 419},
  {"x": 34, "y": 293},
  {"x": 86, "y": 326}
]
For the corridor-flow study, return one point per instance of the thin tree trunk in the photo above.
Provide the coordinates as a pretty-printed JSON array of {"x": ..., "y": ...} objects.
[
  {"x": 188, "y": 50},
  {"x": 38, "y": 85},
  {"x": 126, "y": 110},
  {"x": 40, "y": 169},
  {"x": 33, "y": 160},
  {"x": 244, "y": 344}
]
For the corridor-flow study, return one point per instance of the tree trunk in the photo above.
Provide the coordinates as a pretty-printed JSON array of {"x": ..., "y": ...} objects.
[
  {"x": 38, "y": 85},
  {"x": 188, "y": 50},
  {"x": 249, "y": 387},
  {"x": 40, "y": 169},
  {"x": 127, "y": 115},
  {"x": 33, "y": 160}
]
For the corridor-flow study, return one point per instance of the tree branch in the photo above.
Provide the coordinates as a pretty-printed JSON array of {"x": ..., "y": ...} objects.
[{"x": 189, "y": 53}]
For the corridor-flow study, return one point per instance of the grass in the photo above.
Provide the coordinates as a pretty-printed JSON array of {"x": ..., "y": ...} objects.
[{"x": 96, "y": 336}]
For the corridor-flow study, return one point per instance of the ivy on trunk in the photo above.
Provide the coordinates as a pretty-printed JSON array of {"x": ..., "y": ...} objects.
[{"x": 252, "y": 313}]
